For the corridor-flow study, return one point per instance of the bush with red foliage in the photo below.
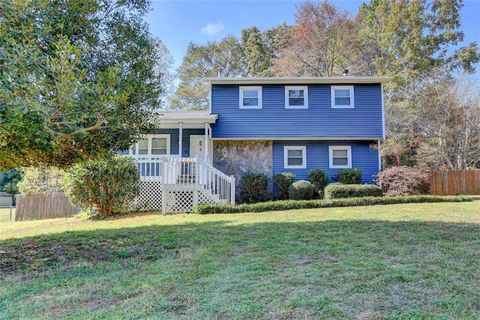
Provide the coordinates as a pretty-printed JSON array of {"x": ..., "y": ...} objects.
[{"x": 403, "y": 181}]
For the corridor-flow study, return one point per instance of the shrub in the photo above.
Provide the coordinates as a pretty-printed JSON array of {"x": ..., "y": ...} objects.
[
  {"x": 330, "y": 203},
  {"x": 302, "y": 190},
  {"x": 282, "y": 181},
  {"x": 41, "y": 180},
  {"x": 349, "y": 176},
  {"x": 318, "y": 178},
  {"x": 103, "y": 187},
  {"x": 404, "y": 181},
  {"x": 338, "y": 190},
  {"x": 254, "y": 188}
]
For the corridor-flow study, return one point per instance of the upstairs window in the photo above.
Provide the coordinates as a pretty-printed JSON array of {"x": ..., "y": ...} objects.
[
  {"x": 342, "y": 97},
  {"x": 340, "y": 156},
  {"x": 250, "y": 97},
  {"x": 295, "y": 157},
  {"x": 296, "y": 97}
]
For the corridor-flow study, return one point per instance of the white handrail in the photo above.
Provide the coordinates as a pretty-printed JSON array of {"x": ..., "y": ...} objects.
[{"x": 176, "y": 170}]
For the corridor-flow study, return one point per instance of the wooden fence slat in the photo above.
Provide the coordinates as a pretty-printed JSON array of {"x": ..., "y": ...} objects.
[
  {"x": 452, "y": 182},
  {"x": 43, "y": 206}
]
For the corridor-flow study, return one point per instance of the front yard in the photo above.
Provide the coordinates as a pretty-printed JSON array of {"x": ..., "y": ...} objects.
[{"x": 396, "y": 261}]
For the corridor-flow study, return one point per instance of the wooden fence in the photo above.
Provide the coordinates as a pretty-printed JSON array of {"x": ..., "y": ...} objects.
[
  {"x": 452, "y": 182},
  {"x": 43, "y": 206}
]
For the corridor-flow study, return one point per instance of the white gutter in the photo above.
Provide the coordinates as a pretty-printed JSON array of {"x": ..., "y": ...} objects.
[{"x": 299, "y": 80}]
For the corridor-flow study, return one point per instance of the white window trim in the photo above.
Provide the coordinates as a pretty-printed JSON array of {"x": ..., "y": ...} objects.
[
  {"x": 330, "y": 157},
  {"x": 149, "y": 152},
  {"x": 305, "y": 97},
  {"x": 304, "y": 157},
  {"x": 352, "y": 100},
  {"x": 250, "y": 88}
]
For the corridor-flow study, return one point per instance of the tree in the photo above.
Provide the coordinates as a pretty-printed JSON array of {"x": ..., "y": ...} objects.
[
  {"x": 277, "y": 39},
  {"x": 322, "y": 42},
  {"x": 410, "y": 40},
  {"x": 211, "y": 60},
  {"x": 41, "y": 180},
  {"x": 260, "y": 49},
  {"x": 257, "y": 56},
  {"x": 448, "y": 120},
  {"x": 9, "y": 181},
  {"x": 406, "y": 39},
  {"x": 78, "y": 78}
]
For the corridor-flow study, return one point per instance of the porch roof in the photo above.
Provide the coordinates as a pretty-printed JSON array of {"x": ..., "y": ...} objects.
[{"x": 185, "y": 117}]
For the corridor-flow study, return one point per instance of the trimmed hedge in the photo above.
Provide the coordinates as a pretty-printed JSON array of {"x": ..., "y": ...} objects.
[
  {"x": 309, "y": 204},
  {"x": 302, "y": 190},
  {"x": 339, "y": 191}
]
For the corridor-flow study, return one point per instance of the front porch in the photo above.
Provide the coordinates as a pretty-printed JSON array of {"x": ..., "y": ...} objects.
[{"x": 175, "y": 165}]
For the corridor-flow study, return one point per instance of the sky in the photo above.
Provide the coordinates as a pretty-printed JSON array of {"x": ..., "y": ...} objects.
[{"x": 177, "y": 23}]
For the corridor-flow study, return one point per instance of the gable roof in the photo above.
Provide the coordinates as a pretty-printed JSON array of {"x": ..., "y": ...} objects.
[{"x": 299, "y": 80}]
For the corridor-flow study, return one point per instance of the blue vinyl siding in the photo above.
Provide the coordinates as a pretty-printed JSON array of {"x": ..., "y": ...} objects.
[
  {"x": 319, "y": 120},
  {"x": 175, "y": 137},
  {"x": 363, "y": 157}
]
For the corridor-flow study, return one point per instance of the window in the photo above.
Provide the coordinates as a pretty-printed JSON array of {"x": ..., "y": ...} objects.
[
  {"x": 342, "y": 97},
  {"x": 340, "y": 156},
  {"x": 143, "y": 146},
  {"x": 155, "y": 144},
  {"x": 159, "y": 145},
  {"x": 295, "y": 157},
  {"x": 296, "y": 97},
  {"x": 250, "y": 97}
]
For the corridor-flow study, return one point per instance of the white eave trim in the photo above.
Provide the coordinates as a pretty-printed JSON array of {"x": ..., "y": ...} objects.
[
  {"x": 299, "y": 80},
  {"x": 185, "y": 117},
  {"x": 299, "y": 138}
]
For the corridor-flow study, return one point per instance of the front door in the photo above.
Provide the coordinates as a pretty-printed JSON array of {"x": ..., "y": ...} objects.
[{"x": 197, "y": 146}]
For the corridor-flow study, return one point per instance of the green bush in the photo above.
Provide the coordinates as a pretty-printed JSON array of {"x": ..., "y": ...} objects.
[
  {"x": 254, "y": 188},
  {"x": 103, "y": 187},
  {"x": 349, "y": 176},
  {"x": 302, "y": 190},
  {"x": 329, "y": 203},
  {"x": 319, "y": 180},
  {"x": 338, "y": 190},
  {"x": 281, "y": 182}
]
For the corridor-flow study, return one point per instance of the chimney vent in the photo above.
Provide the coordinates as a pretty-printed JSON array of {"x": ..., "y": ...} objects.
[{"x": 345, "y": 72}]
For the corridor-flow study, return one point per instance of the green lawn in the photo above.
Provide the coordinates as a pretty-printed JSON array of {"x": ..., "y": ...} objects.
[{"x": 417, "y": 261}]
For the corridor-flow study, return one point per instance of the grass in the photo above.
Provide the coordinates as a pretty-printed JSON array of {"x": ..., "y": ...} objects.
[{"x": 399, "y": 261}]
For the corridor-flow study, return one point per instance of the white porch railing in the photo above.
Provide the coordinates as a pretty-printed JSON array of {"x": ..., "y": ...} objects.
[{"x": 188, "y": 172}]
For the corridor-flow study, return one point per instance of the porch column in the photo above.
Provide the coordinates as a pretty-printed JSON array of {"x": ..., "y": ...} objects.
[
  {"x": 206, "y": 141},
  {"x": 180, "y": 138}
]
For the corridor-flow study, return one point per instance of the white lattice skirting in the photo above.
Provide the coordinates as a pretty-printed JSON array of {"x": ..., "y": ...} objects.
[
  {"x": 171, "y": 198},
  {"x": 149, "y": 196}
]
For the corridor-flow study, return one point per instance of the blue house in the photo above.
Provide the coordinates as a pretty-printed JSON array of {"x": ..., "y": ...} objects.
[{"x": 270, "y": 125}]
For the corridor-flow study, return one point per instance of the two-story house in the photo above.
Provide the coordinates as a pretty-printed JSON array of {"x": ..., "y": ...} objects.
[{"x": 265, "y": 125}]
